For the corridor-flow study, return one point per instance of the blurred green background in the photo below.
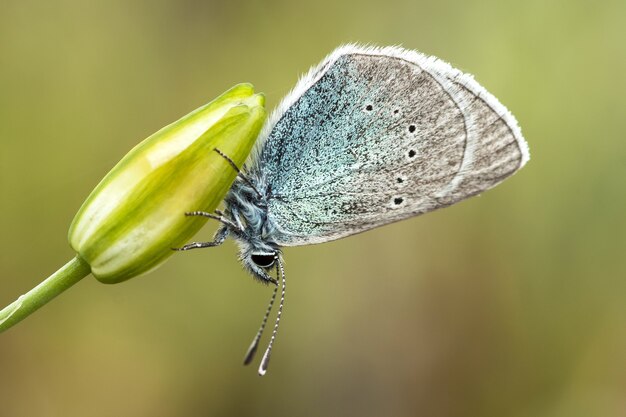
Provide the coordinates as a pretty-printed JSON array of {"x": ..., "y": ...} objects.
[{"x": 511, "y": 304}]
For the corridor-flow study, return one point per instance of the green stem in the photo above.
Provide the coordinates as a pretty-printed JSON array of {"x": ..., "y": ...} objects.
[{"x": 26, "y": 304}]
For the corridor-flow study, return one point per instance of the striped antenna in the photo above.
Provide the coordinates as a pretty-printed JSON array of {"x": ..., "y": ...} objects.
[
  {"x": 266, "y": 356},
  {"x": 255, "y": 343}
]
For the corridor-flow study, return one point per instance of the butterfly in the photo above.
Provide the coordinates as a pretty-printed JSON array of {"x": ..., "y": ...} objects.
[{"x": 368, "y": 137}]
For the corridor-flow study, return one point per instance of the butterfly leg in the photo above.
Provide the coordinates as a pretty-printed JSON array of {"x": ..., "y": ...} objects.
[
  {"x": 239, "y": 173},
  {"x": 219, "y": 216},
  {"x": 218, "y": 239}
]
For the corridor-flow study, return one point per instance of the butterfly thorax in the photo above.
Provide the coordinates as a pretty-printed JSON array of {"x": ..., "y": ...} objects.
[{"x": 246, "y": 206}]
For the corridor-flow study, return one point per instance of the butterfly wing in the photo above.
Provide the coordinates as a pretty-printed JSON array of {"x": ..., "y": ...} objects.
[{"x": 376, "y": 135}]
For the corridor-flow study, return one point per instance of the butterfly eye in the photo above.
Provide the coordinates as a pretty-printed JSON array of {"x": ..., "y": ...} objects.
[{"x": 263, "y": 260}]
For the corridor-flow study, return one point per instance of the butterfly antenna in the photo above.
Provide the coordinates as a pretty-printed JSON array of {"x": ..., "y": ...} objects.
[
  {"x": 236, "y": 168},
  {"x": 255, "y": 343},
  {"x": 266, "y": 357}
]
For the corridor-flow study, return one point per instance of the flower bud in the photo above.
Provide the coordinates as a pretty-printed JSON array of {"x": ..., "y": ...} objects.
[{"x": 132, "y": 219}]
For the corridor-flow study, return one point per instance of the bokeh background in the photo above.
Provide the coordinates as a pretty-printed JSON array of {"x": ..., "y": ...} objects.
[{"x": 510, "y": 304}]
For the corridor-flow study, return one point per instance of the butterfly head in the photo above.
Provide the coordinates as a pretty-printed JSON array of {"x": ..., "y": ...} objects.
[{"x": 259, "y": 258}]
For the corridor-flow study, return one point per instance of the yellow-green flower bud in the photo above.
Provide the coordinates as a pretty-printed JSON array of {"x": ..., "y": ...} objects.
[{"x": 134, "y": 217}]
